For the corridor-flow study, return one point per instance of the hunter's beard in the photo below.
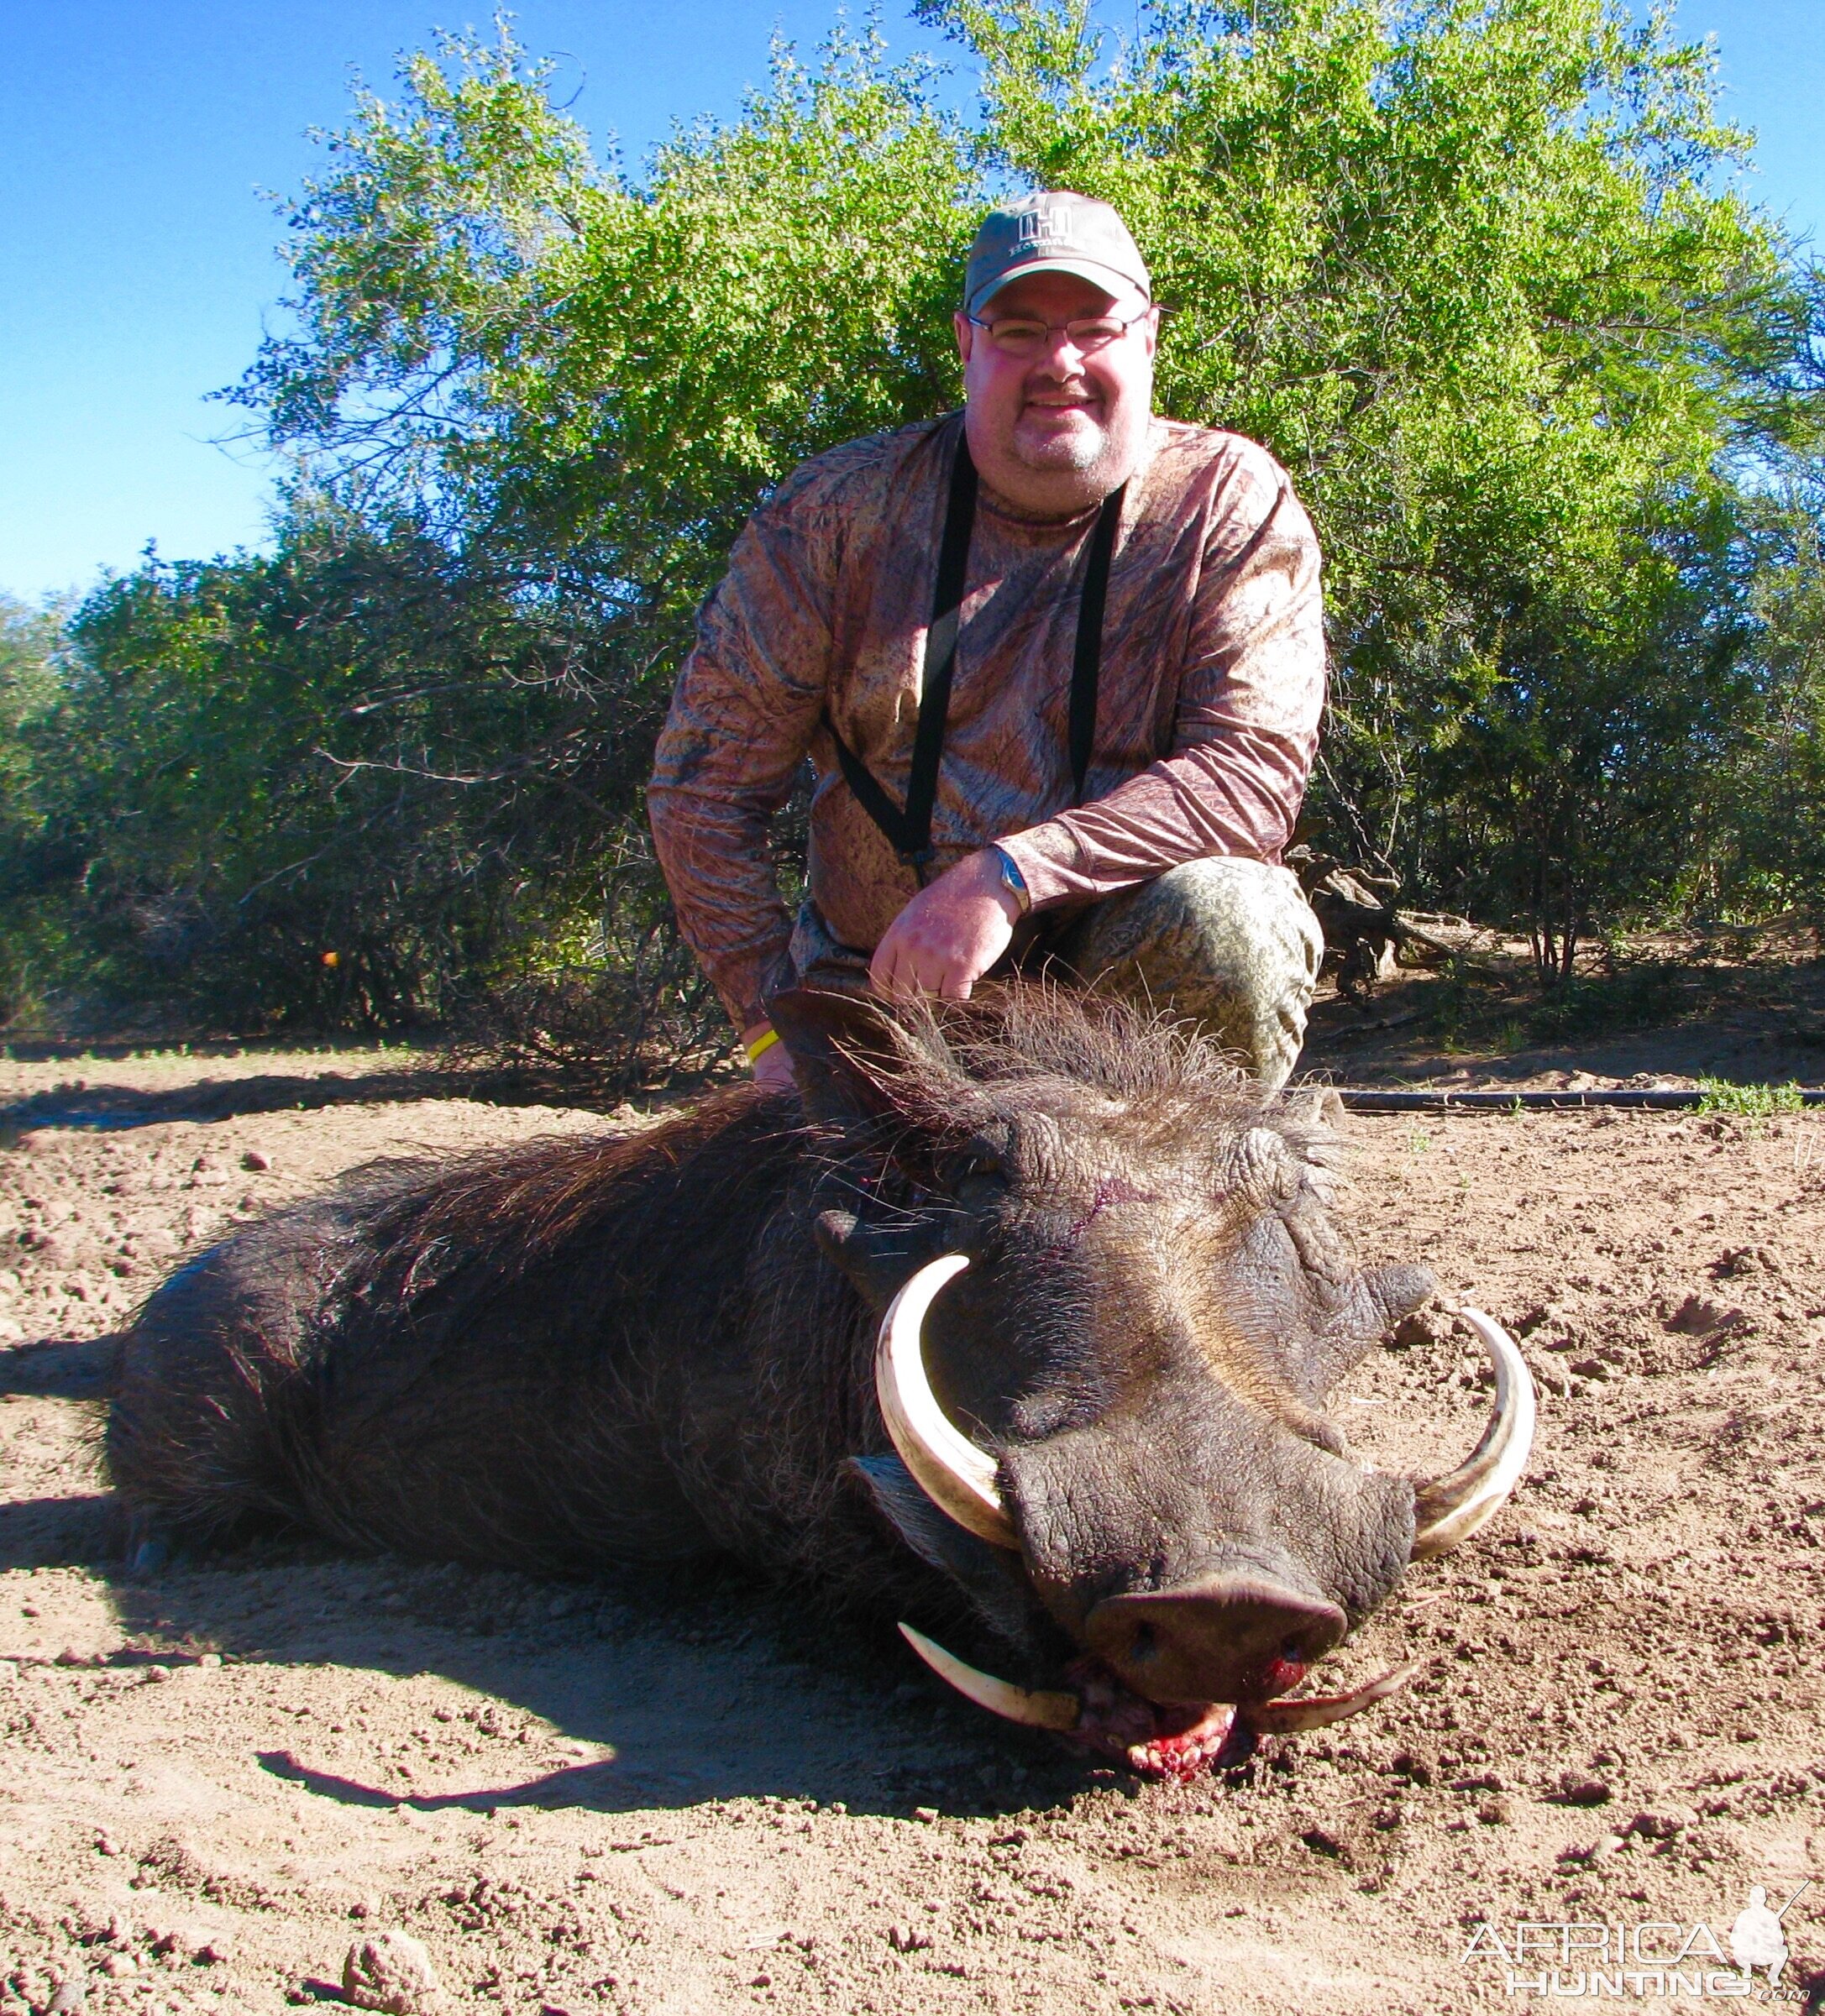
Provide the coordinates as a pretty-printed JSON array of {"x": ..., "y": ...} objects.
[
  {"x": 1078, "y": 449},
  {"x": 1081, "y": 463},
  {"x": 1059, "y": 444}
]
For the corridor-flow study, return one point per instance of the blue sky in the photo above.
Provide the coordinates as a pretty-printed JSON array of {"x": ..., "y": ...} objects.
[{"x": 136, "y": 253}]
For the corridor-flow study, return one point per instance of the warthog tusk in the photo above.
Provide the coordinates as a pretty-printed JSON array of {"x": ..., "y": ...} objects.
[
  {"x": 1038, "y": 1708},
  {"x": 947, "y": 1466},
  {"x": 1283, "y": 1718},
  {"x": 1448, "y": 1510}
]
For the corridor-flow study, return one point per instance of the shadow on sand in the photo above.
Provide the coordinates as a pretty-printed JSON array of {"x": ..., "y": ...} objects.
[
  {"x": 61, "y": 1368},
  {"x": 696, "y": 1686},
  {"x": 112, "y": 1107}
]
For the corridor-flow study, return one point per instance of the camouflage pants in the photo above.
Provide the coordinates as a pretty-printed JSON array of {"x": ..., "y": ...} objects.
[{"x": 1229, "y": 944}]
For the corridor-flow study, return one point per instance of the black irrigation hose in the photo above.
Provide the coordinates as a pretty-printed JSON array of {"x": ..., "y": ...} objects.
[{"x": 1370, "y": 1099}]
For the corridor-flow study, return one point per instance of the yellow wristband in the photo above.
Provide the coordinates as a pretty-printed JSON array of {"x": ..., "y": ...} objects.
[{"x": 761, "y": 1045}]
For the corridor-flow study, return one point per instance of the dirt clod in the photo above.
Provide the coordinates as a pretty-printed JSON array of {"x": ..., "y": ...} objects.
[
  {"x": 391, "y": 1973},
  {"x": 1576, "y": 1788},
  {"x": 1663, "y": 1825},
  {"x": 1427, "y": 1326}
]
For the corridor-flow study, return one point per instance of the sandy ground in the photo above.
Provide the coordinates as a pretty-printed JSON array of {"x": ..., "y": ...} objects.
[{"x": 685, "y": 1798}]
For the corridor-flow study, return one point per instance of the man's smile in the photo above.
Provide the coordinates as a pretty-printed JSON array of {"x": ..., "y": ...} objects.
[{"x": 1054, "y": 414}]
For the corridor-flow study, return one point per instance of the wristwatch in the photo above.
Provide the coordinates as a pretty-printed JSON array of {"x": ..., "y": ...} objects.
[{"x": 1012, "y": 880}]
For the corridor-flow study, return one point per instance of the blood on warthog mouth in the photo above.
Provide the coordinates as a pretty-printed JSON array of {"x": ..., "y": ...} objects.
[
  {"x": 1282, "y": 1673},
  {"x": 1158, "y": 1739}
]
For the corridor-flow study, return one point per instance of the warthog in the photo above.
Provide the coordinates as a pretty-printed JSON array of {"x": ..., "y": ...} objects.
[{"x": 1023, "y": 1322}]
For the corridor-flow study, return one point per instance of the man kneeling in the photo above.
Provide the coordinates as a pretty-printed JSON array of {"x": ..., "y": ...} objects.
[{"x": 1058, "y": 663}]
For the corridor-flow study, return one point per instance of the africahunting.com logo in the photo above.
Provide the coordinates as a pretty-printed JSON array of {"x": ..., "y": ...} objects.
[{"x": 1654, "y": 1960}]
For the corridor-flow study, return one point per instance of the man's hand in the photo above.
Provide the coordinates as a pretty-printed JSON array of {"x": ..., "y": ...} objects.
[
  {"x": 950, "y": 934},
  {"x": 772, "y": 1068}
]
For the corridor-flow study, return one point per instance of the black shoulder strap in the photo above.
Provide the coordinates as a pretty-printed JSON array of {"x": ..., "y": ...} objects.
[
  {"x": 1087, "y": 659},
  {"x": 910, "y": 830}
]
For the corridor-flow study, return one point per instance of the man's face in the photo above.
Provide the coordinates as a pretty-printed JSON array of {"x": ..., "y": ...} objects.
[{"x": 1059, "y": 430}]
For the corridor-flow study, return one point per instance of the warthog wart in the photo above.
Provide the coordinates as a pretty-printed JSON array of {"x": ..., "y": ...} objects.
[{"x": 1021, "y": 1323}]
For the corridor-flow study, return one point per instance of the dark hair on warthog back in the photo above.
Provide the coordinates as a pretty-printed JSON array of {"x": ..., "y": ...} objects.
[
  {"x": 220, "y": 1369},
  {"x": 496, "y": 1214}
]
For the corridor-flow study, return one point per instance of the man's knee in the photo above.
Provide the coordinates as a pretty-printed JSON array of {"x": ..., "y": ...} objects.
[{"x": 1231, "y": 944}]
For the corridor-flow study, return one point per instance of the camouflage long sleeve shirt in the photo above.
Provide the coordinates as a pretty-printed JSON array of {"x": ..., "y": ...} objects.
[{"x": 1212, "y": 679}]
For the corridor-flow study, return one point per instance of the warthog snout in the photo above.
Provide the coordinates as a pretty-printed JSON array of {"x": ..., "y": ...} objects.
[{"x": 1225, "y": 1637}]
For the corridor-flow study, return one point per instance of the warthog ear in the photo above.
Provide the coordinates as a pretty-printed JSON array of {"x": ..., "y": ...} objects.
[{"x": 843, "y": 1053}]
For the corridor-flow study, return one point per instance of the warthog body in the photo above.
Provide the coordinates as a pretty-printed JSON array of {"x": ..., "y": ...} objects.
[{"x": 585, "y": 1351}]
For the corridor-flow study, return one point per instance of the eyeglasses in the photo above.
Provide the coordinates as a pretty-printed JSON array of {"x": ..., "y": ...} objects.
[{"x": 1026, "y": 335}]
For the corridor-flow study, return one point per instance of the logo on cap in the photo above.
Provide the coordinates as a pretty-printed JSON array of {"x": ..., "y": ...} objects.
[{"x": 1046, "y": 227}]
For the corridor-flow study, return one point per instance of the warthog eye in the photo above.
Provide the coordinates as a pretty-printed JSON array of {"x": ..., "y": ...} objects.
[{"x": 980, "y": 1161}]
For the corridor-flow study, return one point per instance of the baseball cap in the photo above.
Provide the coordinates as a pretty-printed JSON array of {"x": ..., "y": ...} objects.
[{"x": 1053, "y": 231}]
